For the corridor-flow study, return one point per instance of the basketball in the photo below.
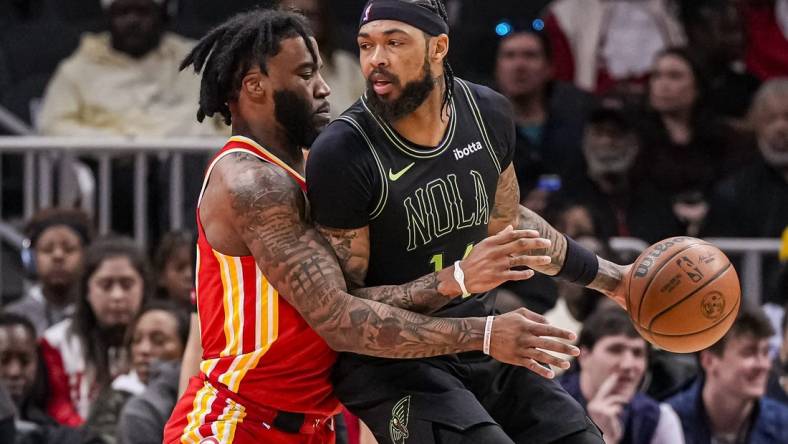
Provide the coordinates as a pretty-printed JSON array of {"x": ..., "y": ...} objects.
[{"x": 683, "y": 294}]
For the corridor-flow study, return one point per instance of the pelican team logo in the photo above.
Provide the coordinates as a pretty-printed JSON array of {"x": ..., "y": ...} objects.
[
  {"x": 713, "y": 305},
  {"x": 398, "y": 426}
]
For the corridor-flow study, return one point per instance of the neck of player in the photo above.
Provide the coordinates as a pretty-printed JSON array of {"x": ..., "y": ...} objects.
[
  {"x": 727, "y": 413},
  {"x": 273, "y": 138},
  {"x": 427, "y": 124}
]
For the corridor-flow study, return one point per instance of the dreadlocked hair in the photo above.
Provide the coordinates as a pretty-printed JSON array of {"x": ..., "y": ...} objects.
[
  {"x": 437, "y": 7},
  {"x": 228, "y": 51}
]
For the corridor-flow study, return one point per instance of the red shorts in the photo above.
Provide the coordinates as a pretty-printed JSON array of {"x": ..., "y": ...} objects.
[{"x": 205, "y": 414}]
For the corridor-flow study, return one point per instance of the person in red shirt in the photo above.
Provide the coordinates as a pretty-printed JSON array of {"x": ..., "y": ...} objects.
[{"x": 766, "y": 23}]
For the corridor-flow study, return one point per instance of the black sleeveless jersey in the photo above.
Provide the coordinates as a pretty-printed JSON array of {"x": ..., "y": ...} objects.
[{"x": 426, "y": 207}]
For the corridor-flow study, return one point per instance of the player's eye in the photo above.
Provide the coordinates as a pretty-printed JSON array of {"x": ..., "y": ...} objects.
[
  {"x": 364, "y": 46},
  {"x": 395, "y": 43},
  {"x": 307, "y": 75}
]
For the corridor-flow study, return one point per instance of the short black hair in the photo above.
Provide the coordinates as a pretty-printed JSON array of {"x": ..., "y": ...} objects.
[
  {"x": 225, "y": 54},
  {"x": 541, "y": 36},
  {"x": 12, "y": 319},
  {"x": 169, "y": 245},
  {"x": 181, "y": 318},
  {"x": 751, "y": 321},
  {"x": 604, "y": 322},
  {"x": 76, "y": 219}
]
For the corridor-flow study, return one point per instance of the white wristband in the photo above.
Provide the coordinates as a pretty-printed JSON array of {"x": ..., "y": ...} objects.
[
  {"x": 459, "y": 276},
  {"x": 487, "y": 334}
]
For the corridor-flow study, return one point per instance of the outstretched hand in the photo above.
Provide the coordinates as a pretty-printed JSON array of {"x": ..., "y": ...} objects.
[
  {"x": 521, "y": 338},
  {"x": 492, "y": 260}
]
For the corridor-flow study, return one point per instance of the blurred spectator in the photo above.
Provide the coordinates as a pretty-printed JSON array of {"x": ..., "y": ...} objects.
[
  {"x": 23, "y": 376},
  {"x": 340, "y": 68},
  {"x": 728, "y": 405},
  {"x": 777, "y": 387},
  {"x": 766, "y": 22},
  {"x": 621, "y": 203},
  {"x": 52, "y": 256},
  {"x": 686, "y": 147},
  {"x": 612, "y": 362},
  {"x": 136, "y": 406},
  {"x": 754, "y": 201},
  {"x": 549, "y": 115},
  {"x": 174, "y": 266},
  {"x": 126, "y": 81},
  {"x": 716, "y": 35},
  {"x": 602, "y": 44},
  {"x": 83, "y": 354}
]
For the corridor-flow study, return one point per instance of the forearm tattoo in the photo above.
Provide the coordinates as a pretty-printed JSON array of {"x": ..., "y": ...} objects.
[
  {"x": 269, "y": 215},
  {"x": 508, "y": 211},
  {"x": 352, "y": 250}
]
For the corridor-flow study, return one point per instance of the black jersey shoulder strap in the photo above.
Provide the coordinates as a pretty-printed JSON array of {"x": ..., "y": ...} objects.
[
  {"x": 384, "y": 184},
  {"x": 477, "y": 116}
]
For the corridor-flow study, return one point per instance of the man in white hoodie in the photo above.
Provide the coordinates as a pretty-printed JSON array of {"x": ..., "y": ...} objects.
[{"x": 125, "y": 81}]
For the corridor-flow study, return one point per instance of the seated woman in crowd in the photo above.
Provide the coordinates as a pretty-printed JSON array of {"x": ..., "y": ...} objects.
[
  {"x": 85, "y": 353},
  {"x": 174, "y": 266},
  {"x": 136, "y": 406},
  {"x": 687, "y": 148}
]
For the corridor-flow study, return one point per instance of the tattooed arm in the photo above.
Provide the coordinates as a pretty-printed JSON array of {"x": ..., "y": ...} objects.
[
  {"x": 268, "y": 215},
  {"x": 508, "y": 211},
  {"x": 486, "y": 267}
]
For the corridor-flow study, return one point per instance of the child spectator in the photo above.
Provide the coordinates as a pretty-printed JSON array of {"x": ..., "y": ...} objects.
[
  {"x": 174, "y": 265},
  {"x": 56, "y": 239}
]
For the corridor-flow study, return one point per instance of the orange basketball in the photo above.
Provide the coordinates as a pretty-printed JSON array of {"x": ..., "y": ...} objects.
[{"x": 683, "y": 294}]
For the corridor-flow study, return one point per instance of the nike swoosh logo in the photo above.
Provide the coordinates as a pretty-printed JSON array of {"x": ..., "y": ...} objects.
[{"x": 394, "y": 177}]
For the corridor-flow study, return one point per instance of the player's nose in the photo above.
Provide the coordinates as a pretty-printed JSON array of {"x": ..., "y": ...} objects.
[{"x": 322, "y": 90}]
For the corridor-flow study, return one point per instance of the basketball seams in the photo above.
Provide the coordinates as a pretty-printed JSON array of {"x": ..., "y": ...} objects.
[
  {"x": 721, "y": 320},
  {"x": 654, "y": 275},
  {"x": 692, "y": 293}
]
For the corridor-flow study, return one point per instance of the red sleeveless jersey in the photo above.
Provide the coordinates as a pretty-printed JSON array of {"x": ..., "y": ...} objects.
[{"x": 254, "y": 343}]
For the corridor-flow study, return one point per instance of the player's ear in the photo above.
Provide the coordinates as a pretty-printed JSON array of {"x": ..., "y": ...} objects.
[
  {"x": 254, "y": 85},
  {"x": 440, "y": 48}
]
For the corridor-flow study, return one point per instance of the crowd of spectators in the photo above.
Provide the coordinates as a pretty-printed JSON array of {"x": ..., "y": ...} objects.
[{"x": 634, "y": 118}]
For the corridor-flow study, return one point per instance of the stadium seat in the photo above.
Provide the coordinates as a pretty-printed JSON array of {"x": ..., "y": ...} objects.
[
  {"x": 23, "y": 96},
  {"x": 74, "y": 11},
  {"x": 32, "y": 48},
  {"x": 212, "y": 13}
]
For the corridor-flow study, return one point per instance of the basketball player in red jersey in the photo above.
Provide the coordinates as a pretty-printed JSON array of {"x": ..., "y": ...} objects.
[{"x": 272, "y": 301}]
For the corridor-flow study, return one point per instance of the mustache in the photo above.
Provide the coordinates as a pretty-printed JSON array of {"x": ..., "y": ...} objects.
[{"x": 386, "y": 74}]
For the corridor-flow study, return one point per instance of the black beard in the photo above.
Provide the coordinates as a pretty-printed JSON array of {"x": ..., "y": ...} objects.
[
  {"x": 413, "y": 95},
  {"x": 295, "y": 115}
]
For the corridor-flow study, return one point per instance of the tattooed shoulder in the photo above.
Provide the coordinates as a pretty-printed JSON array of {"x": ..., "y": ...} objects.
[{"x": 258, "y": 189}]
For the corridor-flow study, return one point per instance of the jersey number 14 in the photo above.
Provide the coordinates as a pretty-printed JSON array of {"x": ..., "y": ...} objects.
[{"x": 437, "y": 259}]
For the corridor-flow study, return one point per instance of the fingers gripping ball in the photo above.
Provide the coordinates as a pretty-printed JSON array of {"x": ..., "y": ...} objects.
[{"x": 683, "y": 294}]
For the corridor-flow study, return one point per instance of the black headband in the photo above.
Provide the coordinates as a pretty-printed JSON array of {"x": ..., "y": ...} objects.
[{"x": 410, "y": 13}]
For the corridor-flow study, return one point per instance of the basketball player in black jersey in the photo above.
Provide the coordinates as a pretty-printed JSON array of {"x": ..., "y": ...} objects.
[{"x": 404, "y": 183}]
